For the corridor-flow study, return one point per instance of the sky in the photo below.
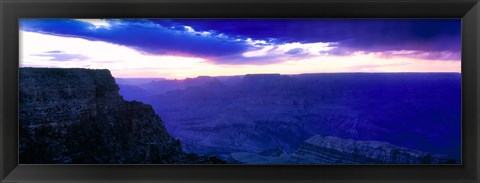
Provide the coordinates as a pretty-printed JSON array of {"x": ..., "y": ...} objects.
[{"x": 181, "y": 48}]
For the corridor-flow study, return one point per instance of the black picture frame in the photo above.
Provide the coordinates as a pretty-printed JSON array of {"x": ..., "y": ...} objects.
[{"x": 12, "y": 10}]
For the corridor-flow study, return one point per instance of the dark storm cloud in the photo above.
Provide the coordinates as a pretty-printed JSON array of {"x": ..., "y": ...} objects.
[
  {"x": 220, "y": 39},
  {"x": 140, "y": 35},
  {"x": 356, "y": 34}
]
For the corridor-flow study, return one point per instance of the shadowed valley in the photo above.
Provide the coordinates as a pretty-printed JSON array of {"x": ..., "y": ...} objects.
[{"x": 251, "y": 114}]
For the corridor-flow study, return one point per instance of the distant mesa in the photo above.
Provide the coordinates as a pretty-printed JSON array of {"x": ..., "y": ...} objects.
[{"x": 263, "y": 76}]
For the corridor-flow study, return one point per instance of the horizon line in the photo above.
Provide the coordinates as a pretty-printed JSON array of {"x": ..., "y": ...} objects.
[
  {"x": 292, "y": 74},
  {"x": 379, "y": 72}
]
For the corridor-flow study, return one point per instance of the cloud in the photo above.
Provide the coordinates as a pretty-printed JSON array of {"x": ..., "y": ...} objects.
[
  {"x": 96, "y": 23},
  {"x": 271, "y": 53},
  {"x": 61, "y": 56},
  {"x": 264, "y": 41},
  {"x": 141, "y": 35},
  {"x": 371, "y": 35},
  {"x": 54, "y": 51},
  {"x": 127, "y": 62},
  {"x": 432, "y": 55},
  {"x": 294, "y": 51}
]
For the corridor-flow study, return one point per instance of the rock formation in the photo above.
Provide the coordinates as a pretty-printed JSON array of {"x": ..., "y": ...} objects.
[
  {"x": 78, "y": 116},
  {"x": 332, "y": 150}
]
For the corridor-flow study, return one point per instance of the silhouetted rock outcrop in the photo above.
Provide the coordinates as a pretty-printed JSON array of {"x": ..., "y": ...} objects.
[{"x": 77, "y": 116}]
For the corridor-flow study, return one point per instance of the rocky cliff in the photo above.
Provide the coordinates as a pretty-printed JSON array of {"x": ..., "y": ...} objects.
[
  {"x": 332, "y": 150},
  {"x": 77, "y": 116}
]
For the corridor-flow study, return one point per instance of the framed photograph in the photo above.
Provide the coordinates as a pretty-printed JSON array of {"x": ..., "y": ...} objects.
[{"x": 226, "y": 91}]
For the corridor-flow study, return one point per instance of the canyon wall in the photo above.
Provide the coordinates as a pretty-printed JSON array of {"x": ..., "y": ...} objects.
[{"x": 78, "y": 116}]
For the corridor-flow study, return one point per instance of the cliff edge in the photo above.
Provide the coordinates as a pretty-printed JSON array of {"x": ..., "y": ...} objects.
[{"x": 78, "y": 116}]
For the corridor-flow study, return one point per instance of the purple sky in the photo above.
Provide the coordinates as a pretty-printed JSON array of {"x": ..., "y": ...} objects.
[{"x": 249, "y": 42}]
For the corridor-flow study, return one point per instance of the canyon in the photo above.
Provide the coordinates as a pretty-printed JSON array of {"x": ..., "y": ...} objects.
[
  {"x": 257, "y": 112},
  {"x": 76, "y": 116},
  {"x": 80, "y": 116}
]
